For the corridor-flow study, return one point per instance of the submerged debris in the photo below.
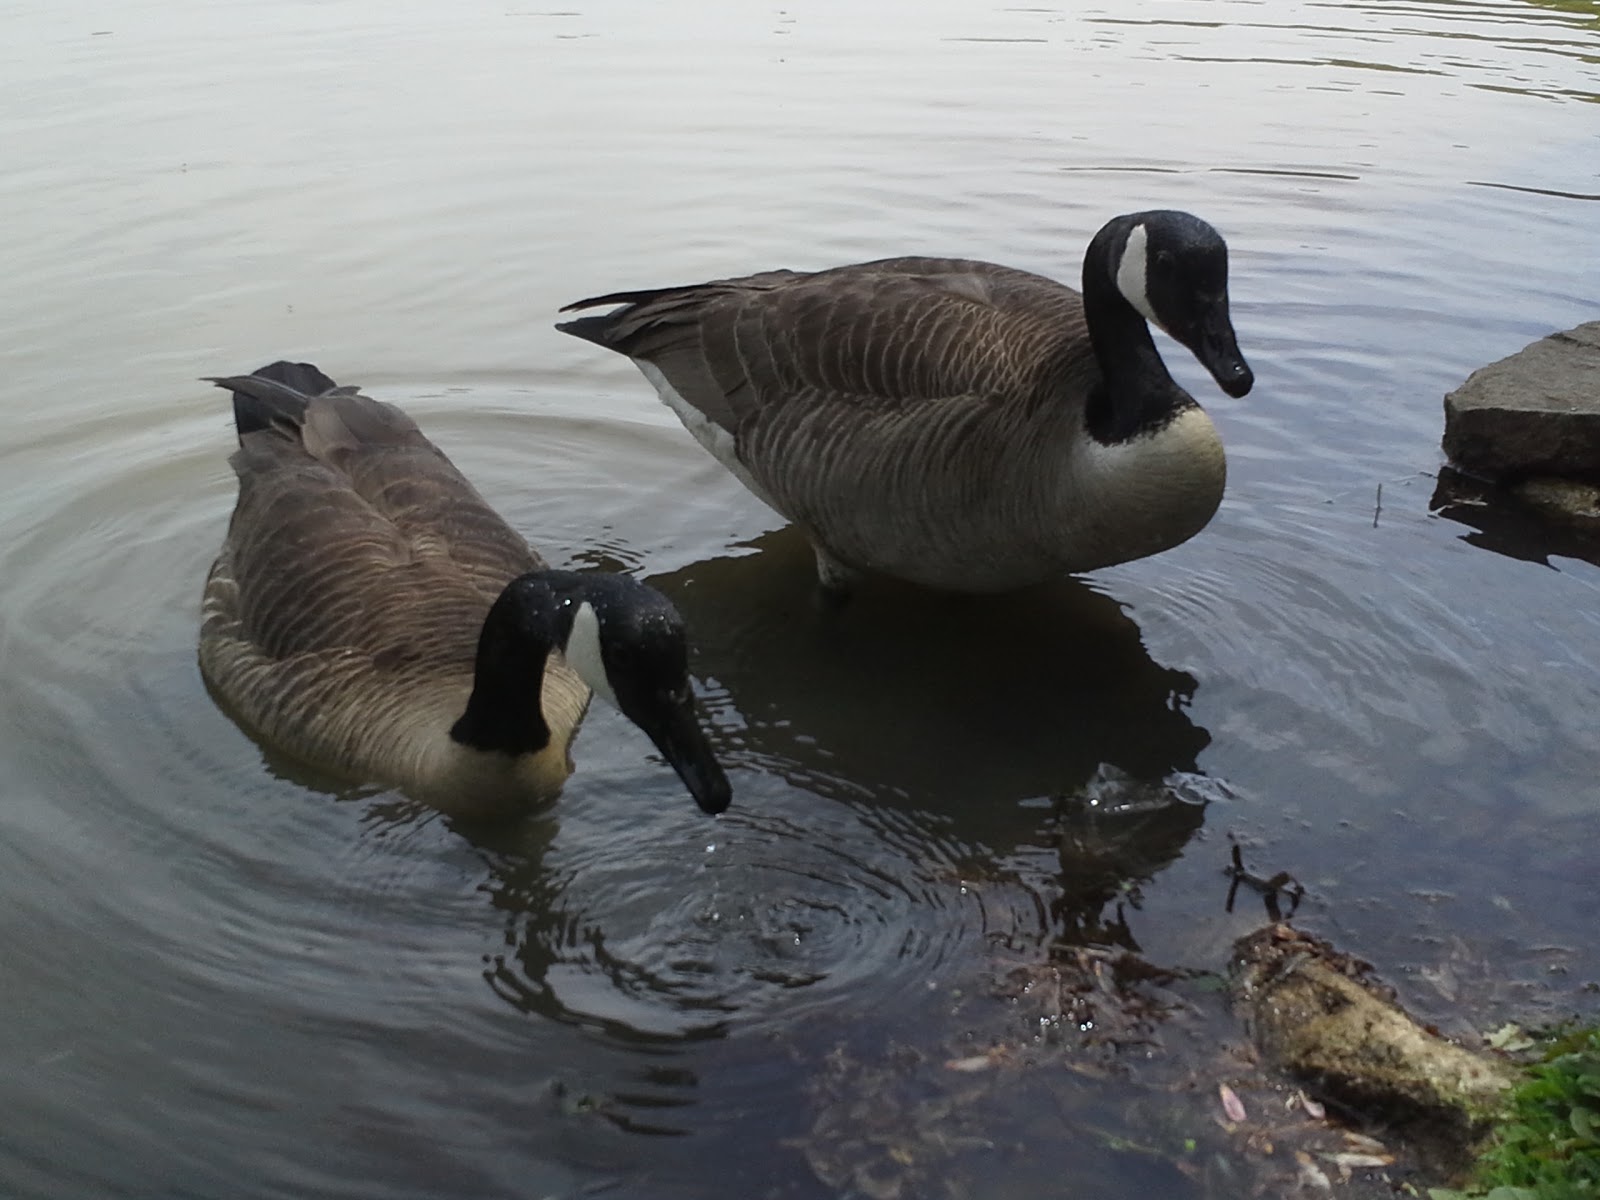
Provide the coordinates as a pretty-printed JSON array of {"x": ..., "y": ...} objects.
[
  {"x": 1269, "y": 888},
  {"x": 1094, "y": 998},
  {"x": 1231, "y": 1104},
  {"x": 1061, "y": 1058},
  {"x": 1077, "y": 1052}
]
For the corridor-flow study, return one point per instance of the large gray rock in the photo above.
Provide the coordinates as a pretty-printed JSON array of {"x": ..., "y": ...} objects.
[{"x": 1535, "y": 413}]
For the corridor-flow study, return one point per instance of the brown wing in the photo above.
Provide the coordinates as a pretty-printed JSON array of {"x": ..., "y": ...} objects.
[
  {"x": 884, "y": 335},
  {"x": 409, "y": 483},
  {"x": 360, "y": 536}
]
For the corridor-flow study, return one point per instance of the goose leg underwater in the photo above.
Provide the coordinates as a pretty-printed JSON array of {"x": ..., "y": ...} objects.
[
  {"x": 370, "y": 614},
  {"x": 957, "y": 424}
]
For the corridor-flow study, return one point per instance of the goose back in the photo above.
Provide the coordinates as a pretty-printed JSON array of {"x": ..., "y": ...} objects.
[{"x": 342, "y": 616}]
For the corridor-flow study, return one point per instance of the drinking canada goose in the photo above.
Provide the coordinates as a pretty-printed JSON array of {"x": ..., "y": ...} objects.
[
  {"x": 370, "y": 614},
  {"x": 957, "y": 424}
]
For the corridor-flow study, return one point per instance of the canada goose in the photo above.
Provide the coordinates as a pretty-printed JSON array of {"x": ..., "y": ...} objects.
[
  {"x": 372, "y": 615},
  {"x": 957, "y": 424}
]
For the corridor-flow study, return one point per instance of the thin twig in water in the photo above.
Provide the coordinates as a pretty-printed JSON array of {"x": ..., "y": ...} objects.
[
  {"x": 1269, "y": 889},
  {"x": 1378, "y": 507},
  {"x": 1405, "y": 479}
]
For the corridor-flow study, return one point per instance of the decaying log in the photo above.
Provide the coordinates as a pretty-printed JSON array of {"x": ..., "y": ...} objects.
[{"x": 1317, "y": 1014}]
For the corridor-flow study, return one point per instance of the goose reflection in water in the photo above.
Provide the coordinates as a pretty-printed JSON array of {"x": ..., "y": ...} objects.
[{"x": 959, "y": 705}]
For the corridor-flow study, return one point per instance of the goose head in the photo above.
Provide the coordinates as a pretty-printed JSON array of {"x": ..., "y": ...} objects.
[
  {"x": 627, "y": 642},
  {"x": 1172, "y": 269},
  {"x": 622, "y": 638}
]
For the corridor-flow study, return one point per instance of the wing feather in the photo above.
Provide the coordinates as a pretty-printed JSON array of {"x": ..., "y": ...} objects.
[
  {"x": 884, "y": 335},
  {"x": 358, "y": 536}
]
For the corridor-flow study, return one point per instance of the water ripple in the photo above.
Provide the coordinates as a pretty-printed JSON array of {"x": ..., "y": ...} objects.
[{"x": 768, "y": 918}]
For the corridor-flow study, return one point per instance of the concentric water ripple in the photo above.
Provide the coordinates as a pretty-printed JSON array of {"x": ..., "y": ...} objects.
[{"x": 761, "y": 921}]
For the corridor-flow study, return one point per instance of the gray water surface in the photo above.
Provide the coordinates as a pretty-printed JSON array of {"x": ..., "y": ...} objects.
[{"x": 222, "y": 977}]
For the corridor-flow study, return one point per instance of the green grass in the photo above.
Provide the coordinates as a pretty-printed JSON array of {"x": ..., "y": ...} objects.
[{"x": 1547, "y": 1146}]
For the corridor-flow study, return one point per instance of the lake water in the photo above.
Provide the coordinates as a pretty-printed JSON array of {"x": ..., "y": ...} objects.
[{"x": 220, "y": 977}]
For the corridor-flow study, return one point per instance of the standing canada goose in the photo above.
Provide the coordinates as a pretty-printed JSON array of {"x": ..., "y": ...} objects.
[
  {"x": 373, "y": 616},
  {"x": 957, "y": 424}
]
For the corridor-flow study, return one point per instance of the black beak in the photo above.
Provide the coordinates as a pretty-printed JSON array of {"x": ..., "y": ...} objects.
[
  {"x": 671, "y": 723},
  {"x": 1212, "y": 341}
]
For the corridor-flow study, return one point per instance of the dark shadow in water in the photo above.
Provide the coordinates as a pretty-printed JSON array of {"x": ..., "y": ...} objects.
[
  {"x": 1035, "y": 720},
  {"x": 957, "y": 705},
  {"x": 1505, "y": 525}
]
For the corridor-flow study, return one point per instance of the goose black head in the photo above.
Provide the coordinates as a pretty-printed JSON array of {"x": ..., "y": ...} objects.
[
  {"x": 627, "y": 642},
  {"x": 1172, "y": 268}
]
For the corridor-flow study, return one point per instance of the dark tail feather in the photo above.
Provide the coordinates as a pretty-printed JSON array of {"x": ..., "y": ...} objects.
[
  {"x": 302, "y": 377},
  {"x": 618, "y": 330},
  {"x": 761, "y": 282},
  {"x": 274, "y": 396},
  {"x": 621, "y": 298},
  {"x": 598, "y": 330},
  {"x": 603, "y": 330}
]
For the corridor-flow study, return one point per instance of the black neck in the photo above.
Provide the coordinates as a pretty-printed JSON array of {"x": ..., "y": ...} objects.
[
  {"x": 1135, "y": 394},
  {"x": 504, "y": 712}
]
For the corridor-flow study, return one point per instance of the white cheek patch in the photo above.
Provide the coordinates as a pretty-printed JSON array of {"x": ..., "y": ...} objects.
[
  {"x": 1131, "y": 275},
  {"x": 582, "y": 652}
]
